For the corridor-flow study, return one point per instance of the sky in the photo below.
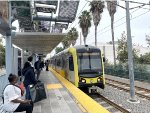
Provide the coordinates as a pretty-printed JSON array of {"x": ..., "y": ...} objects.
[{"x": 140, "y": 24}]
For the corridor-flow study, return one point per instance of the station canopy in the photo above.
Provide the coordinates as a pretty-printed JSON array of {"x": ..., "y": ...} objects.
[
  {"x": 40, "y": 43},
  {"x": 41, "y": 23}
]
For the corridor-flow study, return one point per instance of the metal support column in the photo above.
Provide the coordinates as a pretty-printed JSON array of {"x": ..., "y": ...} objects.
[
  {"x": 15, "y": 61},
  {"x": 8, "y": 47},
  {"x": 80, "y": 39},
  {"x": 22, "y": 57},
  {"x": 130, "y": 54}
]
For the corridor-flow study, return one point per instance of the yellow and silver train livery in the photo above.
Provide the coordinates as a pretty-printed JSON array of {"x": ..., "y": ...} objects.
[{"x": 81, "y": 65}]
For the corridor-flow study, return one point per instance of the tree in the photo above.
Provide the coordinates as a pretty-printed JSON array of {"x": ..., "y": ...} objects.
[
  {"x": 58, "y": 49},
  {"x": 66, "y": 43},
  {"x": 85, "y": 23},
  {"x": 73, "y": 35},
  {"x": 96, "y": 9},
  {"x": 111, "y": 6},
  {"x": 2, "y": 55},
  {"x": 144, "y": 59},
  {"x": 122, "y": 50}
]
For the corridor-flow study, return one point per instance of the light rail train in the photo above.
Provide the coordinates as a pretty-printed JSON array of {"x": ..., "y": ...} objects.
[{"x": 81, "y": 65}]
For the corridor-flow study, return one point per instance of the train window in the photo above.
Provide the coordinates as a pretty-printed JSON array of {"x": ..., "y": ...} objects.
[
  {"x": 58, "y": 62},
  {"x": 63, "y": 63},
  {"x": 71, "y": 66}
]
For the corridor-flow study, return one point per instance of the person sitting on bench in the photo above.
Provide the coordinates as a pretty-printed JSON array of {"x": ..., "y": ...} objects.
[{"x": 12, "y": 97}]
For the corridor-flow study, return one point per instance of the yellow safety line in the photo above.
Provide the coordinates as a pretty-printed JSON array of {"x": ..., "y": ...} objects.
[
  {"x": 81, "y": 107},
  {"x": 87, "y": 102},
  {"x": 54, "y": 86}
]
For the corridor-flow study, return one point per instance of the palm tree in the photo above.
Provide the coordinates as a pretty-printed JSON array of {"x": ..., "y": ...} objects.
[
  {"x": 111, "y": 6},
  {"x": 73, "y": 35},
  {"x": 85, "y": 23},
  {"x": 65, "y": 42},
  {"x": 96, "y": 9}
]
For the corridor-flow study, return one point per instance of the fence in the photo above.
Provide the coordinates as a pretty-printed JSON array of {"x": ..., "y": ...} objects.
[{"x": 138, "y": 75}]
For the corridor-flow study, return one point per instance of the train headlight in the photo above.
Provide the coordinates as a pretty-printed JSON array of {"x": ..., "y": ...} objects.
[
  {"x": 98, "y": 79},
  {"x": 83, "y": 80}
]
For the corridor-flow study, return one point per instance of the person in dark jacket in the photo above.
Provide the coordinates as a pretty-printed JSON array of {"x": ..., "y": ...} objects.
[
  {"x": 30, "y": 60},
  {"x": 29, "y": 78},
  {"x": 37, "y": 67},
  {"x": 46, "y": 64}
]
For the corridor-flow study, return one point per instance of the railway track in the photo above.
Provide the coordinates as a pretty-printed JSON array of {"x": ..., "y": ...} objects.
[
  {"x": 141, "y": 92},
  {"x": 110, "y": 105}
]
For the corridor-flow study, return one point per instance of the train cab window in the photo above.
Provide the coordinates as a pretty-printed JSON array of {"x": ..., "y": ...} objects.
[
  {"x": 71, "y": 66},
  {"x": 104, "y": 60}
]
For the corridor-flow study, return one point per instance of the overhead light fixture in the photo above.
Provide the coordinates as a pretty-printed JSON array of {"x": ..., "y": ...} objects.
[{"x": 45, "y": 6}]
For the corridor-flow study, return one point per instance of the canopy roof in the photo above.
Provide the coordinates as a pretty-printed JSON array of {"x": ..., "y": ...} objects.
[
  {"x": 39, "y": 34},
  {"x": 40, "y": 43},
  {"x": 29, "y": 20}
]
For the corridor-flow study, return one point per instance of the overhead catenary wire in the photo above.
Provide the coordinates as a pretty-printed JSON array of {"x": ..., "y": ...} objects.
[
  {"x": 117, "y": 21},
  {"x": 108, "y": 25},
  {"x": 121, "y": 24},
  {"x": 137, "y": 8},
  {"x": 139, "y": 2}
]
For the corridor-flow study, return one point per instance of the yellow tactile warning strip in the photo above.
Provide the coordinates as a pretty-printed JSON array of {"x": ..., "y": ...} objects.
[
  {"x": 81, "y": 107},
  {"x": 88, "y": 103},
  {"x": 54, "y": 86}
]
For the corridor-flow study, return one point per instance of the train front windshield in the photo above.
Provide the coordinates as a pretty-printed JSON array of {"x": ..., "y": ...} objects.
[{"x": 89, "y": 64}]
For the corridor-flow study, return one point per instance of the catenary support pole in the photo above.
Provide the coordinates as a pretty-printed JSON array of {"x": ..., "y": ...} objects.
[
  {"x": 130, "y": 54},
  {"x": 80, "y": 39}
]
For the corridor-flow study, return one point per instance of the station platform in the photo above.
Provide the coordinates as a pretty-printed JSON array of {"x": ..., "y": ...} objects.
[
  {"x": 64, "y": 97},
  {"x": 58, "y": 99}
]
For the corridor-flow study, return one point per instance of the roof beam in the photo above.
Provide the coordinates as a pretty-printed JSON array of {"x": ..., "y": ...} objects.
[{"x": 51, "y": 19}]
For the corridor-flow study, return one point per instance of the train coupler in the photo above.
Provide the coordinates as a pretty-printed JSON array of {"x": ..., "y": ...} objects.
[{"x": 93, "y": 89}]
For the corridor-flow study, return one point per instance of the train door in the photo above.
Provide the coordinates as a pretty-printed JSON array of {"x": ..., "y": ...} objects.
[
  {"x": 70, "y": 69},
  {"x": 55, "y": 65}
]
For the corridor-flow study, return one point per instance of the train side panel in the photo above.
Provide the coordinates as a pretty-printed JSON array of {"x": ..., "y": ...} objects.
[{"x": 75, "y": 74}]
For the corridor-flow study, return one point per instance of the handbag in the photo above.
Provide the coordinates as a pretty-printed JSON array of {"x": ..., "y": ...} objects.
[
  {"x": 38, "y": 92},
  {"x": 21, "y": 86}
]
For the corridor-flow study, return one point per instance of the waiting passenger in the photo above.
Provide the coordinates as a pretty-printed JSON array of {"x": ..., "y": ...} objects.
[
  {"x": 42, "y": 65},
  {"x": 30, "y": 60},
  {"x": 12, "y": 98},
  {"x": 29, "y": 78},
  {"x": 37, "y": 67},
  {"x": 46, "y": 64}
]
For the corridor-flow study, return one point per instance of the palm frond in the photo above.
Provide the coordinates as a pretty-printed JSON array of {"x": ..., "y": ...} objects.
[{"x": 97, "y": 6}]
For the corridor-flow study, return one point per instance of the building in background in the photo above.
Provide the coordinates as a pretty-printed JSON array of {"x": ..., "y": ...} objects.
[{"x": 107, "y": 50}]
